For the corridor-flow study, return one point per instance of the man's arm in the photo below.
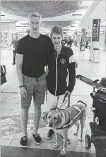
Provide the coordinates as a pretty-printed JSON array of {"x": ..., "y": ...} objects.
[{"x": 19, "y": 61}]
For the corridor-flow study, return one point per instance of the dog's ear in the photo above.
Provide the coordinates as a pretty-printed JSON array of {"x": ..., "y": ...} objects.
[
  {"x": 54, "y": 108},
  {"x": 45, "y": 114}
]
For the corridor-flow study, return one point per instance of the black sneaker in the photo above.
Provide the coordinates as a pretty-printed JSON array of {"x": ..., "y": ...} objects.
[
  {"x": 50, "y": 134},
  {"x": 37, "y": 138},
  {"x": 24, "y": 141}
]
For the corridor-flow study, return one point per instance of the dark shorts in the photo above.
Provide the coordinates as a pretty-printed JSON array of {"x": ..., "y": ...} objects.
[{"x": 35, "y": 88}]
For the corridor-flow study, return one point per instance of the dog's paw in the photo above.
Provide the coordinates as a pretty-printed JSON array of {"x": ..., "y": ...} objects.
[
  {"x": 75, "y": 134},
  {"x": 55, "y": 146},
  {"x": 81, "y": 139},
  {"x": 63, "y": 152}
]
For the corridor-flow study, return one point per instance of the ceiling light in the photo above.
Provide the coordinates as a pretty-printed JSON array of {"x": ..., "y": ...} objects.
[{"x": 76, "y": 14}]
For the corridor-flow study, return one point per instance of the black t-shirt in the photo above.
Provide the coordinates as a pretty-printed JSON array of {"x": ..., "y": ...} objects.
[{"x": 35, "y": 54}]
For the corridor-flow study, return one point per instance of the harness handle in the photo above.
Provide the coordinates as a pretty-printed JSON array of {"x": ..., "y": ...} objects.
[{"x": 82, "y": 102}]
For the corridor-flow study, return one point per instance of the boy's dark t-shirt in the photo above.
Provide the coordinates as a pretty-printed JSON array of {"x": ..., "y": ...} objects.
[{"x": 35, "y": 54}]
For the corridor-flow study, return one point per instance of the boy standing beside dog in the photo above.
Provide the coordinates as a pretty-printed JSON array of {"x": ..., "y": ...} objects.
[{"x": 60, "y": 64}]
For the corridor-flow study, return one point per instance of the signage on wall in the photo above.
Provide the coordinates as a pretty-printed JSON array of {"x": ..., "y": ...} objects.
[
  {"x": 22, "y": 24},
  {"x": 96, "y": 30}
]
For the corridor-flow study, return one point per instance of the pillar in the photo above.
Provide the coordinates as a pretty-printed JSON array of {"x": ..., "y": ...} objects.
[
  {"x": 83, "y": 40},
  {"x": 95, "y": 43}
]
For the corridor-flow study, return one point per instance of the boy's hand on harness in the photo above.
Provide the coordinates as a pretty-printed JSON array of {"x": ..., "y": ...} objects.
[{"x": 67, "y": 93}]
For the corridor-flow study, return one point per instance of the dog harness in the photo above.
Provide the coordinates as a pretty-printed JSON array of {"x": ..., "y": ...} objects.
[
  {"x": 77, "y": 108},
  {"x": 67, "y": 122},
  {"x": 70, "y": 122}
]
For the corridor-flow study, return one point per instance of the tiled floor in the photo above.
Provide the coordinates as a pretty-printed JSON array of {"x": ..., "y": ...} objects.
[{"x": 10, "y": 111}]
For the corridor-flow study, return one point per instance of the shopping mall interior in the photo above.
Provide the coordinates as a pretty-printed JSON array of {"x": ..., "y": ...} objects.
[{"x": 77, "y": 19}]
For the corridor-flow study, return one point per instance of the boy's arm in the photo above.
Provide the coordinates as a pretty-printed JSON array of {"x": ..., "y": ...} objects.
[{"x": 72, "y": 73}]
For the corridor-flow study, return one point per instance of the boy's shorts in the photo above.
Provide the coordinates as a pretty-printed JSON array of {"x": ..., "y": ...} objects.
[
  {"x": 56, "y": 101},
  {"x": 35, "y": 88}
]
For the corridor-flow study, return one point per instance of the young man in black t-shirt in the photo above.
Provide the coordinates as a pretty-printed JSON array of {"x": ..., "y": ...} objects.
[{"x": 32, "y": 54}]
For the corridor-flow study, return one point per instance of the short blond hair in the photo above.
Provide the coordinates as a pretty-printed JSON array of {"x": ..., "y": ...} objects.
[
  {"x": 34, "y": 14},
  {"x": 56, "y": 30}
]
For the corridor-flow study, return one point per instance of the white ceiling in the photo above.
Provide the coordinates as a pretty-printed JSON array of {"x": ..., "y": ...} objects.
[
  {"x": 96, "y": 9},
  {"x": 65, "y": 17}
]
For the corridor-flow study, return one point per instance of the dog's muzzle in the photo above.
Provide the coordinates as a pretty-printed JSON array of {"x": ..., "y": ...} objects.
[{"x": 50, "y": 124}]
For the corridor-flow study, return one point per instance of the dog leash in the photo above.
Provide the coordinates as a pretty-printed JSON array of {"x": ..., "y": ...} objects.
[
  {"x": 64, "y": 102},
  {"x": 65, "y": 96}
]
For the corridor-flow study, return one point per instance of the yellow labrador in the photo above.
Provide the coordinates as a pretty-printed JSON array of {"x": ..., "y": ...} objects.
[{"x": 58, "y": 119}]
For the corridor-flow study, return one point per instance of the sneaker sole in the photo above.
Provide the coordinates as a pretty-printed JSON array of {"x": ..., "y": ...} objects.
[
  {"x": 36, "y": 142},
  {"x": 48, "y": 138},
  {"x": 24, "y": 146}
]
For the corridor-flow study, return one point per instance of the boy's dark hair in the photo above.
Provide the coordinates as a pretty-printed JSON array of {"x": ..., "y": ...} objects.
[{"x": 56, "y": 30}]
